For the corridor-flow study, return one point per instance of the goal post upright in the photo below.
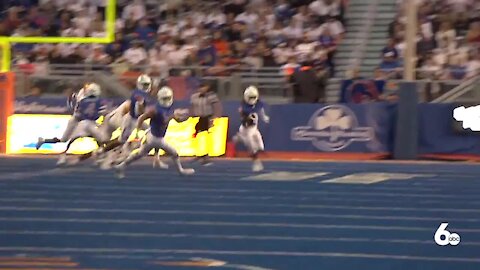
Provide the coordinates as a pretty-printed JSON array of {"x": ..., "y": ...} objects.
[
  {"x": 7, "y": 78},
  {"x": 110, "y": 13}
]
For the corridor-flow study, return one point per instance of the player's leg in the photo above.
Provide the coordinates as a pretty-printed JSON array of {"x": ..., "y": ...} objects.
[
  {"x": 176, "y": 159},
  {"x": 150, "y": 143},
  {"x": 257, "y": 146},
  {"x": 201, "y": 139},
  {"x": 127, "y": 127},
  {"x": 157, "y": 163},
  {"x": 71, "y": 125}
]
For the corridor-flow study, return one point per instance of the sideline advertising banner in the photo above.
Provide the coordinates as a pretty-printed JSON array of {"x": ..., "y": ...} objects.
[
  {"x": 365, "y": 128},
  {"x": 25, "y": 129}
]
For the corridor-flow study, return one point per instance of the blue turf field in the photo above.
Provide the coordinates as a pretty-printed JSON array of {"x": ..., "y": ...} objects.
[{"x": 82, "y": 218}]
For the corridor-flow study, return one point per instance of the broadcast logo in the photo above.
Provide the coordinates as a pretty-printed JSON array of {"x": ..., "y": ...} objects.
[
  {"x": 443, "y": 237},
  {"x": 332, "y": 128},
  {"x": 468, "y": 117}
]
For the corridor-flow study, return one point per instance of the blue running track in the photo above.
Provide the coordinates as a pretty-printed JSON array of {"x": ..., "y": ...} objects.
[{"x": 226, "y": 218}]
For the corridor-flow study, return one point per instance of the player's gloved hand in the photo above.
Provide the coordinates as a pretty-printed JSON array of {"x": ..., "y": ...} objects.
[
  {"x": 210, "y": 124},
  {"x": 266, "y": 119}
]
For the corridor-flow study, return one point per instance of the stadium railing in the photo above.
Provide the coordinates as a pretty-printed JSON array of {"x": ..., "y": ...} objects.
[{"x": 57, "y": 77}]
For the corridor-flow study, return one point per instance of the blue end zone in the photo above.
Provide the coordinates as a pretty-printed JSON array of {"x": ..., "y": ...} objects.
[{"x": 285, "y": 218}]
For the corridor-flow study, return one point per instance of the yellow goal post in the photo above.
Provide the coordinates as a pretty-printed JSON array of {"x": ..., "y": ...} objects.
[{"x": 5, "y": 41}]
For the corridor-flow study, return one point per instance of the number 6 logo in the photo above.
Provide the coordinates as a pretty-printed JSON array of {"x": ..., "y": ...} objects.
[{"x": 448, "y": 238}]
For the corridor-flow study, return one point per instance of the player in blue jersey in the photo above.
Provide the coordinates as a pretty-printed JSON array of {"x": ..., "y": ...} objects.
[
  {"x": 159, "y": 115},
  {"x": 248, "y": 134},
  {"x": 87, "y": 108},
  {"x": 125, "y": 117}
]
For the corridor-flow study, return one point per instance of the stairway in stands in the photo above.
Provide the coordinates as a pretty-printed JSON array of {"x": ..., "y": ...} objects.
[{"x": 367, "y": 33}]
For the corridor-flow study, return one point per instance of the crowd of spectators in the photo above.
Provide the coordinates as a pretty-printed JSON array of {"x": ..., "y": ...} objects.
[
  {"x": 448, "y": 40},
  {"x": 221, "y": 35}
]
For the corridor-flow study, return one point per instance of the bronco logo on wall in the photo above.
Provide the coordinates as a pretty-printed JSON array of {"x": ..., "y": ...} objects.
[{"x": 332, "y": 128}]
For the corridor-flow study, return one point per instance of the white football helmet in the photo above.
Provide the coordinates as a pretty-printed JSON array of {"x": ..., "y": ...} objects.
[
  {"x": 251, "y": 95},
  {"x": 92, "y": 90},
  {"x": 165, "y": 96},
  {"x": 144, "y": 82}
]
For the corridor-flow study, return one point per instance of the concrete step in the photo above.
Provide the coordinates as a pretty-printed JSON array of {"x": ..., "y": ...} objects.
[
  {"x": 370, "y": 42},
  {"x": 371, "y": 35},
  {"x": 365, "y": 8},
  {"x": 380, "y": 16},
  {"x": 371, "y": 61}
]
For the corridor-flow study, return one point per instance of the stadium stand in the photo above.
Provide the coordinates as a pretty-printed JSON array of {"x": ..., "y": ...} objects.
[
  {"x": 448, "y": 39},
  {"x": 216, "y": 34}
]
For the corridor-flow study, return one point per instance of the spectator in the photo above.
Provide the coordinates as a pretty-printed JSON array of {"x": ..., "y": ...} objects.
[
  {"x": 446, "y": 37},
  {"x": 207, "y": 54},
  {"x": 473, "y": 35},
  {"x": 282, "y": 10},
  {"x": 98, "y": 56},
  {"x": 82, "y": 20},
  {"x": 473, "y": 65},
  {"x": 189, "y": 29},
  {"x": 390, "y": 51},
  {"x": 234, "y": 32},
  {"x": 253, "y": 59},
  {"x": 293, "y": 30},
  {"x": 282, "y": 53},
  {"x": 430, "y": 69},
  {"x": 177, "y": 56},
  {"x": 305, "y": 49},
  {"x": 215, "y": 18},
  {"x": 307, "y": 87},
  {"x": 319, "y": 8},
  {"x": 170, "y": 28},
  {"x": 169, "y": 46},
  {"x": 335, "y": 28},
  {"x": 290, "y": 67},
  {"x": 144, "y": 32},
  {"x": 390, "y": 62},
  {"x": 425, "y": 46},
  {"x": 136, "y": 55},
  {"x": 135, "y": 10},
  {"x": 303, "y": 16},
  {"x": 268, "y": 58},
  {"x": 221, "y": 45},
  {"x": 114, "y": 50},
  {"x": 264, "y": 23},
  {"x": 159, "y": 64},
  {"x": 457, "y": 68},
  {"x": 248, "y": 17},
  {"x": 328, "y": 44}
]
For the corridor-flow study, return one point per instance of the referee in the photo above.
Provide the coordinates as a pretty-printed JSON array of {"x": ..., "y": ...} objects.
[{"x": 206, "y": 105}]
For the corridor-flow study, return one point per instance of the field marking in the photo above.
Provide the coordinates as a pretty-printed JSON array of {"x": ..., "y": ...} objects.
[
  {"x": 302, "y": 206},
  {"x": 238, "y": 253},
  {"x": 223, "y": 213},
  {"x": 90, "y": 202},
  {"x": 224, "y": 237},
  {"x": 285, "y": 176},
  {"x": 124, "y": 195},
  {"x": 214, "y": 185},
  {"x": 222, "y": 224},
  {"x": 49, "y": 172},
  {"x": 368, "y": 178}
]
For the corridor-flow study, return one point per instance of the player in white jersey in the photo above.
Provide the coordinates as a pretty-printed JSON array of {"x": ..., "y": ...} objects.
[
  {"x": 248, "y": 133},
  {"x": 125, "y": 117},
  {"x": 87, "y": 108},
  {"x": 160, "y": 115}
]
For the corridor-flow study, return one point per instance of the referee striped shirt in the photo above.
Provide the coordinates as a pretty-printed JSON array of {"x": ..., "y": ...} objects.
[{"x": 203, "y": 103}]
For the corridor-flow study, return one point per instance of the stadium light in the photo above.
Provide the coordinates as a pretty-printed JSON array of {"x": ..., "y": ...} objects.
[{"x": 110, "y": 11}]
